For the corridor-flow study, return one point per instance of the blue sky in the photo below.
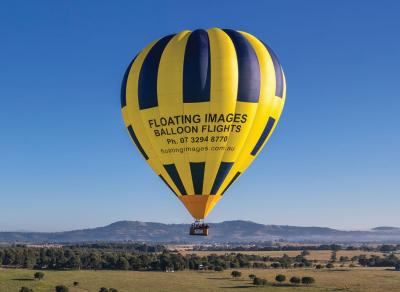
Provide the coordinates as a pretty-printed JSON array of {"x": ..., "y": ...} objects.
[{"x": 66, "y": 160}]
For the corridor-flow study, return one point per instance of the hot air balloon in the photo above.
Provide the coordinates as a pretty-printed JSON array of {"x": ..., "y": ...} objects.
[{"x": 199, "y": 106}]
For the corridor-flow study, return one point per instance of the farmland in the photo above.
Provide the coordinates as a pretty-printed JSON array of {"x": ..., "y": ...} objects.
[
  {"x": 141, "y": 267},
  {"x": 354, "y": 279},
  {"x": 315, "y": 255}
]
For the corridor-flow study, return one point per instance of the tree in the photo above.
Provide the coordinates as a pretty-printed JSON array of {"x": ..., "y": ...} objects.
[
  {"x": 259, "y": 281},
  {"x": 307, "y": 280},
  {"x": 94, "y": 261},
  {"x": 397, "y": 266},
  {"x": 333, "y": 256},
  {"x": 62, "y": 288},
  {"x": 74, "y": 262},
  {"x": 285, "y": 261},
  {"x": 76, "y": 284},
  {"x": 39, "y": 275},
  {"x": 335, "y": 247},
  {"x": 252, "y": 276},
  {"x": 295, "y": 280},
  {"x": 236, "y": 274},
  {"x": 25, "y": 289},
  {"x": 104, "y": 289},
  {"x": 280, "y": 278},
  {"x": 218, "y": 269},
  {"x": 122, "y": 263},
  {"x": 113, "y": 290},
  {"x": 319, "y": 266},
  {"x": 387, "y": 248},
  {"x": 29, "y": 261}
]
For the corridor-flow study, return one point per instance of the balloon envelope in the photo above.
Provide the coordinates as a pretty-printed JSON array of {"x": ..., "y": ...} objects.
[{"x": 200, "y": 106}]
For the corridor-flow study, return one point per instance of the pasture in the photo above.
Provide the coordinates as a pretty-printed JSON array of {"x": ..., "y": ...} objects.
[
  {"x": 315, "y": 255},
  {"x": 340, "y": 279}
]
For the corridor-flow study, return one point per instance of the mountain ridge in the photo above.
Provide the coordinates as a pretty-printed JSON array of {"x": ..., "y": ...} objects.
[{"x": 226, "y": 231}]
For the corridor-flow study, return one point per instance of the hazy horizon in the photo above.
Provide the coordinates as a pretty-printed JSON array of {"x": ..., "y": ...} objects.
[
  {"x": 67, "y": 162},
  {"x": 190, "y": 221}
]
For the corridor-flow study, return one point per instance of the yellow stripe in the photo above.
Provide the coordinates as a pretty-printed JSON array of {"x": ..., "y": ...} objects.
[
  {"x": 224, "y": 86},
  {"x": 273, "y": 106},
  {"x": 268, "y": 105},
  {"x": 170, "y": 100}
]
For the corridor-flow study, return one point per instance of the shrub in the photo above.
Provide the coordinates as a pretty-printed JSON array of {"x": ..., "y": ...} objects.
[
  {"x": 25, "y": 289},
  {"x": 218, "y": 269},
  {"x": 319, "y": 266},
  {"x": 62, "y": 288},
  {"x": 76, "y": 284},
  {"x": 259, "y": 281},
  {"x": 236, "y": 274},
  {"x": 280, "y": 278},
  {"x": 252, "y": 276},
  {"x": 343, "y": 259},
  {"x": 104, "y": 289},
  {"x": 397, "y": 267},
  {"x": 352, "y": 265},
  {"x": 307, "y": 280},
  {"x": 276, "y": 265},
  {"x": 330, "y": 266},
  {"x": 295, "y": 280},
  {"x": 305, "y": 253},
  {"x": 39, "y": 275}
]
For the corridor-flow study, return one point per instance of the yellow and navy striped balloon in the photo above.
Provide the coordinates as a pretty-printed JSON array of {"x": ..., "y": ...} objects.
[{"x": 199, "y": 105}]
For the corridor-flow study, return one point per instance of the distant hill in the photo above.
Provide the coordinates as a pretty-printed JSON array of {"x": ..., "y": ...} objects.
[
  {"x": 386, "y": 228},
  {"x": 227, "y": 231}
]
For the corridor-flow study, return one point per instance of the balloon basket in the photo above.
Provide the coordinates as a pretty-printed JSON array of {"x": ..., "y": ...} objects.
[{"x": 199, "y": 228}]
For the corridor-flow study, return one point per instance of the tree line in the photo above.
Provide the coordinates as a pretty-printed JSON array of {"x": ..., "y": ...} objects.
[
  {"x": 120, "y": 258},
  {"x": 156, "y": 258},
  {"x": 272, "y": 247},
  {"x": 390, "y": 260}
]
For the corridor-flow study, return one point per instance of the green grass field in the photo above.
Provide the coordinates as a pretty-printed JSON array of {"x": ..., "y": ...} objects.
[{"x": 358, "y": 279}]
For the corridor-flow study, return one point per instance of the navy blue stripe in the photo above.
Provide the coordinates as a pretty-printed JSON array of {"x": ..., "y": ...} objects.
[
  {"x": 163, "y": 179},
  {"x": 123, "y": 86},
  {"x": 278, "y": 72},
  {"x": 264, "y": 135},
  {"x": 147, "y": 87},
  {"x": 173, "y": 173},
  {"x": 197, "y": 170},
  {"x": 223, "y": 171},
  {"x": 135, "y": 139},
  {"x": 197, "y": 68},
  {"x": 231, "y": 182},
  {"x": 249, "y": 68}
]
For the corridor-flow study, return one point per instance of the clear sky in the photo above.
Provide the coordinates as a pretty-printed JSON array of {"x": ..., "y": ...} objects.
[{"x": 66, "y": 160}]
